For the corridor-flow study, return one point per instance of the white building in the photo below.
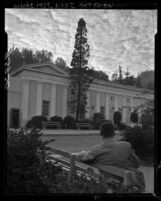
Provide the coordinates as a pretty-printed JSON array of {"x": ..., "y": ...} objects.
[{"x": 43, "y": 89}]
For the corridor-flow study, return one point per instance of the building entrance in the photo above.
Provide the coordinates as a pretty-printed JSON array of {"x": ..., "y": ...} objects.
[{"x": 14, "y": 118}]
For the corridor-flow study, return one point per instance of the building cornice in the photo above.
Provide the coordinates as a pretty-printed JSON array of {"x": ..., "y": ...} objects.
[{"x": 64, "y": 74}]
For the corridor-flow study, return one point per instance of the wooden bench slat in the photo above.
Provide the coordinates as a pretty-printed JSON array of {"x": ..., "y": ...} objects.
[
  {"x": 78, "y": 166},
  {"x": 109, "y": 169},
  {"x": 58, "y": 151},
  {"x": 50, "y": 123},
  {"x": 112, "y": 171}
]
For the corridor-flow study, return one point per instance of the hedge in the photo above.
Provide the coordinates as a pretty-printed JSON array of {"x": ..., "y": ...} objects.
[
  {"x": 69, "y": 122},
  {"x": 36, "y": 122},
  {"x": 117, "y": 117},
  {"x": 98, "y": 118}
]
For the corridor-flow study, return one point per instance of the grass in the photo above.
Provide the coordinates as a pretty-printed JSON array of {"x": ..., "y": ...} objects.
[{"x": 74, "y": 143}]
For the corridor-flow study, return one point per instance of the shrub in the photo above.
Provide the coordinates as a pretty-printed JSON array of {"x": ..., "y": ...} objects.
[
  {"x": 36, "y": 122},
  {"x": 56, "y": 118},
  {"x": 23, "y": 164},
  {"x": 147, "y": 118},
  {"x": 141, "y": 140},
  {"x": 69, "y": 122},
  {"x": 117, "y": 117},
  {"x": 98, "y": 119},
  {"x": 122, "y": 126},
  {"x": 134, "y": 117}
]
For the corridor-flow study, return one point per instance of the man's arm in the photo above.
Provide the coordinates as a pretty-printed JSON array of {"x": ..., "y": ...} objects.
[{"x": 87, "y": 156}]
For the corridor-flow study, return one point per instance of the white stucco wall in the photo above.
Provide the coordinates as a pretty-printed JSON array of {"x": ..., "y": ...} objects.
[
  {"x": 99, "y": 90},
  {"x": 32, "y": 99}
]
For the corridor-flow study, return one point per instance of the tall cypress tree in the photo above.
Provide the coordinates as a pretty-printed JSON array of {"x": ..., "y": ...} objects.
[
  {"x": 80, "y": 72},
  {"x": 120, "y": 74}
]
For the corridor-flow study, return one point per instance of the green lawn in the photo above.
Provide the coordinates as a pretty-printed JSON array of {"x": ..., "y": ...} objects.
[{"x": 74, "y": 143}]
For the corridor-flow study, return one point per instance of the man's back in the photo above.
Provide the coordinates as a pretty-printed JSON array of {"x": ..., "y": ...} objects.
[{"x": 117, "y": 153}]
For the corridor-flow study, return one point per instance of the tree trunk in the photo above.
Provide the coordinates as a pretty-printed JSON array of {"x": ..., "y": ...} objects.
[{"x": 78, "y": 102}]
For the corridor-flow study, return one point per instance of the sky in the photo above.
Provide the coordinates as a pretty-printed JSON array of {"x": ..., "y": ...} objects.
[{"x": 115, "y": 37}]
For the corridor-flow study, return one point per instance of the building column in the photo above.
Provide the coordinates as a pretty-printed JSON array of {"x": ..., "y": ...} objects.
[
  {"x": 24, "y": 102},
  {"x": 98, "y": 102},
  {"x": 53, "y": 101},
  {"x": 39, "y": 99},
  {"x": 132, "y": 104},
  {"x": 116, "y": 102},
  {"x": 139, "y": 110},
  {"x": 64, "y": 110},
  {"x": 107, "y": 106},
  {"x": 124, "y": 110},
  {"x": 87, "y": 114}
]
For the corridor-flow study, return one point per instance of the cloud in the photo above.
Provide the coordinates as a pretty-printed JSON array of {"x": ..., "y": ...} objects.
[{"x": 116, "y": 37}]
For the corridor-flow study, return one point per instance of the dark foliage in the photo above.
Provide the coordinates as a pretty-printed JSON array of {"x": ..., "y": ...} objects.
[
  {"x": 69, "y": 122},
  {"x": 147, "y": 117},
  {"x": 134, "y": 117},
  {"x": 122, "y": 126},
  {"x": 56, "y": 119},
  {"x": 36, "y": 122},
  {"x": 143, "y": 80},
  {"x": 142, "y": 141},
  {"x": 98, "y": 118},
  {"x": 27, "y": 56},
  {"x": 80, "y": 74},
  {"x": 117, "y": 117},
  {"x": 23, "y": 164}
]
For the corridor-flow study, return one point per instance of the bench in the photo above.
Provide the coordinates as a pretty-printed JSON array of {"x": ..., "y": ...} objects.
[
  {"x": 69, "y": 163},
  {"x": 83, "y": 125},
  {"x": 50, "y": 124}
]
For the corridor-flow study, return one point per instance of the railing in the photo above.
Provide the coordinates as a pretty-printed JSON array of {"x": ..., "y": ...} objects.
[{"x": 69, "y": 163}]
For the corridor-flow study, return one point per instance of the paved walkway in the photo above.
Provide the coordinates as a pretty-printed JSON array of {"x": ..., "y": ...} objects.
[
  {"x": 149, "y": 178},
  {"x": 71, "y": 132}
]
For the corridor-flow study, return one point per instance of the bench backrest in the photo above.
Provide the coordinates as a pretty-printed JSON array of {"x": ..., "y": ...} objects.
[{"x": 70, "y": 161}]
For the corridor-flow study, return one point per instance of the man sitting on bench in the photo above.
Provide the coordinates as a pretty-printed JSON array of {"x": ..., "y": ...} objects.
[{"x": 112, "y": 152}]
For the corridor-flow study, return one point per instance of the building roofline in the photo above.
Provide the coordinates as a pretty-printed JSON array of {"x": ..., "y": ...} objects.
[
  {"x": 30, "y": 67},
  {"x": 109, "y": 83}
]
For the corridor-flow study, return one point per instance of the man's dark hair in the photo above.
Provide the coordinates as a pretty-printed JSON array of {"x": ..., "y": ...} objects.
[{"x": 107, "y": 130}]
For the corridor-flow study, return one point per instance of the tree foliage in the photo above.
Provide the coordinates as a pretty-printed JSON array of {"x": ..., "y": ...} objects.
[
  {"x": 142, "y": 137},
  {"x": 98, "y": 118},
  {"x": 16, "y": 59},
  {"x": 27, "y": 56},
  {"x": 134, "y": 117},
  {"x": 80, "y": 73},
  {"x": 144, "y": 79},
  {"x": 99, "y": 74},
  {"x": 60, "y": 62},
  {"x": 117, "y": 117},
  {"x": 120, "y": 75},
  {"x": 36, "y": 122}
]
